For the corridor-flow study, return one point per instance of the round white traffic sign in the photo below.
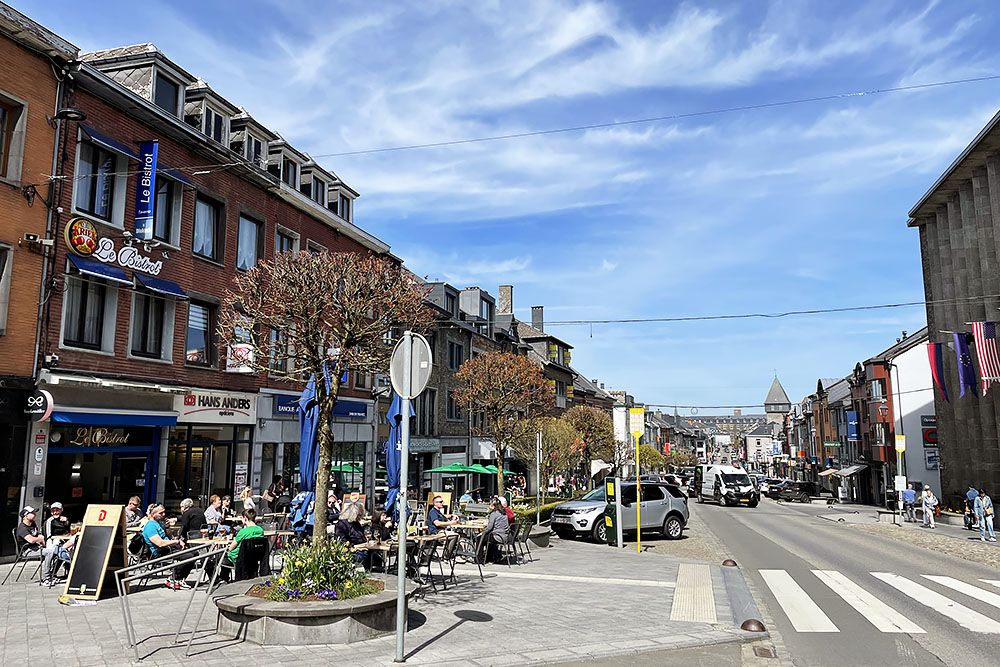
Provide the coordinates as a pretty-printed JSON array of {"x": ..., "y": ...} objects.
[{"x": 419, "y": 368}]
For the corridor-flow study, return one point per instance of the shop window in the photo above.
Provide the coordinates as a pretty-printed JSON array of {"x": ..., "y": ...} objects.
[
  {"x": 12, "y": 125},
  {"x": 198, "y": 348},
  {"x": 167, "y": 212},
  {"x": 99, "y": 183},
  {"x": 88, "y": 314},
  {"x": 6, "y": 257},
  {"x": 248, "y": 245},
  {"x": 425, "y": 417},
  {"x": 207, "y": 227}
]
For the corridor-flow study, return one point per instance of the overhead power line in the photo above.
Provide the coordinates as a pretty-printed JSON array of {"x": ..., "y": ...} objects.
[{"x": 657, "y": 119}]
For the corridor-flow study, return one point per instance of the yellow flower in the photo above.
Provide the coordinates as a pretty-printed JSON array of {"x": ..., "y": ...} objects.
[
  {"x": 281, "y": 580},
  {"x": 348, "y": 585},
  {"x": 298, "y": 563}
]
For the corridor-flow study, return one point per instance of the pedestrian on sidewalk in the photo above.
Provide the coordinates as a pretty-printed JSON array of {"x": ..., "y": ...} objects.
[
  {"x": 971, "y": 496},
  {"x": 984, "y": 512},
  {"x": 929, "y": 502},
  {"x": 909, "y": 500}
]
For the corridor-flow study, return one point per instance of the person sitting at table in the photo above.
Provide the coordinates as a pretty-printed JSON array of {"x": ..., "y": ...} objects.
[
  {"x": 497, "y": 526},
  {"x": 133, "y": 516},
  {"x": 508, "y": 511},
  {"x": 333, "y": 508},
  {"x": 437, "y": 519},
  {"x": 192, "y": 518},
  {"x": 155, "y": 536},
  {"x": 350, "y": 530},
  {"x": 227, "y": 508},
  {"x": 27, "y": 537},
  {"x": 57, "y": 524},
  {"x": 249, "y": 529}
]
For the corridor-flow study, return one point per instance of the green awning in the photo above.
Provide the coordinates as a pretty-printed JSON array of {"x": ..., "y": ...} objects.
[{"x": 451, "y": 468}]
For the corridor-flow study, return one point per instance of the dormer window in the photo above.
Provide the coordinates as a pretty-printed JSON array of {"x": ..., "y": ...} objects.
[
  {"x": 216, "y": 125},
  {"x": 318, "y": 191},
  {"x": 254, "y": 149},
  {"x": 344, "y": 209},
  {"x": 289, "y": 172},
  {"x": 166, "y": 94}
]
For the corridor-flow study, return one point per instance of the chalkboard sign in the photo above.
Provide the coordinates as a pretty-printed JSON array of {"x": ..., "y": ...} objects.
[{"x": 96, "y": 549}]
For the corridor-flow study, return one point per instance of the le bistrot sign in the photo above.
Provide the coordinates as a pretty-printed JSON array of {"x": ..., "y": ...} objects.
[{"x": 83, "y": 239}]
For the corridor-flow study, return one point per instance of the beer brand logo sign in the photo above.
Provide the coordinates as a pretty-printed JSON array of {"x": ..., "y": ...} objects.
[{"x": 81, "y": 237}]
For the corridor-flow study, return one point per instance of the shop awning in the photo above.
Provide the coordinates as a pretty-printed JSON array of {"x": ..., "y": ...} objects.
[
  {"x": 107, "y": 142},
  {"x": 828, "y": 471},
  {"x": 95, "y": 269},
  {"x": 176, "y": 175},
  {"x": 161, "y": 286},
  {"x": 847, "y": 472},
  {"x": 345, "y": 408},
  {"x": 117, "y": 418}
]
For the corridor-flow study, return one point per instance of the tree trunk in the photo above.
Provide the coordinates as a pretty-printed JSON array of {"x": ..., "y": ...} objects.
[
  {"x": 324, "y": 442},
  {"x": 501, "y": 451}
]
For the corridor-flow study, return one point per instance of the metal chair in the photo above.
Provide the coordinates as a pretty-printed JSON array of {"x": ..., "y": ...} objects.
[
  {"x": 25, "y": 553},
  {"x": 426, "y": 552},
  {"x": 447, "y": 555},
  {"x": 475, "y": 550},
  {"x": 509, "y": 546},
  {"x": 522, "y": 541}
]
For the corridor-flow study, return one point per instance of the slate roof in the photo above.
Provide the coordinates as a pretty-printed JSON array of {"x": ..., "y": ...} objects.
[
  {"x": 776, "y": 394},
  {"x": 764, "y": 428}
]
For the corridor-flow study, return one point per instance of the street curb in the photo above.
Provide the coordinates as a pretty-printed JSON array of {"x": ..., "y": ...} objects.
[{"x": 741, "y": 601}]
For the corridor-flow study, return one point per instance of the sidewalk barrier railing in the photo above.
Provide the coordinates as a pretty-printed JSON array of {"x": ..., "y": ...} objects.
[{"x": 201, "y": 554}]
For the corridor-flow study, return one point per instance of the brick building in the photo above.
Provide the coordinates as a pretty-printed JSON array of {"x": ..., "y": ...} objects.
[
  {"x": 31, "y": 59},
  {"x": 148, "y": 400}
]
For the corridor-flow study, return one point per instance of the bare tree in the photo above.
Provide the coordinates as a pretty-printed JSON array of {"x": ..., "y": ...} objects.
[
  {"x": 302, "y": 315},
  {"x": 507, "y": 390}
]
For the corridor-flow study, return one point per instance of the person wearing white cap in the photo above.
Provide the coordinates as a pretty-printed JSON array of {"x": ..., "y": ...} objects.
[
  {"x": 27, "y": 531},
  {"x": 58, "y": 523},
  {"x": 55, "y": 526}
]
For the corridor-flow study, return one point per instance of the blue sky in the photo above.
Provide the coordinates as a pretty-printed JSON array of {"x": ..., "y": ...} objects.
[{"x": 792, "y": 208}]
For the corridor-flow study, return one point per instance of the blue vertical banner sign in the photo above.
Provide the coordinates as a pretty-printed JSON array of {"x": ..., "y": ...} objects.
[
  {"x": 145, "y": 190},
  {"x": 853, "y": 433}
]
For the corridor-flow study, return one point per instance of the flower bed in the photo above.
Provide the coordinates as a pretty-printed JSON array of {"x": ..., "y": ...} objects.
[{"x": 366, "y": 587}]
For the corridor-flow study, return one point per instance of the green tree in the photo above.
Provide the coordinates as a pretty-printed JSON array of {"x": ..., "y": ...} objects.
[{"x": 650, "y": 457}]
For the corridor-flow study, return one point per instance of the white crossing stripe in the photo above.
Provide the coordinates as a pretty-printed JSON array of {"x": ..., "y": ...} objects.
[
  {"x": 989, "y": 597},
  {"x": 694, "y": 598},
  {"x": 804, "y": 614},
  {"x": 967, "y": 618},
  {"x": 878, "y": 613},
  {"x": 991, "y": 582}
]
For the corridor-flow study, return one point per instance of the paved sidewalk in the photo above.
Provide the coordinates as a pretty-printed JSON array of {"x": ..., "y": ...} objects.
[{"x": 576, "y": 601}]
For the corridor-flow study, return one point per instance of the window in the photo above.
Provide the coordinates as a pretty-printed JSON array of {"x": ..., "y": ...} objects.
[
  {"x": 147, "y": 325},
  {"x": 345, "y": 208},
  {"x": 254, "y": 149},
  {"x": 198, "y": 348},
  {"x": 167, "y": 212},
  {"x": 486, "y": 312},
  {"x": 361, "y": 381},
  {"x": 314, "y": 248},
  {"x": 560, "y": 355},
  {"x": 83, "y": 319},
  {"x": 215, "y": 124},
  {"x": 318, "y": 191},
  {"x": 560, "y": 388},
  {"x": 279, "y": 351},
  {"x": 166, "y": 94},
  {"x": 207, "y": 219},
  {"x": 451, "y": 304},
  {"x": 651, "y": 493},
  {"x": 12, "y": 120},
  {"x": 248, "y": 245},
  {"x": 425, "y": 413},
  {"x": 289, "y": 172},
  {"x": 285, "y": 241},
  {"x": 454, "y": 410},
  {"x": 6, "y": 255},
  {"x": 95, "y": 181},
  {"x": 456, "y": 355}
]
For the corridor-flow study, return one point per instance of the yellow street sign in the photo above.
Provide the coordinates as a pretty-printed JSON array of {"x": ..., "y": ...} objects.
[{"x": 900, "y": 443}]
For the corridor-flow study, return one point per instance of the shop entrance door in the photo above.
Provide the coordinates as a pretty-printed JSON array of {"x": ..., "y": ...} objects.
[{"x": 128, "y": 478}]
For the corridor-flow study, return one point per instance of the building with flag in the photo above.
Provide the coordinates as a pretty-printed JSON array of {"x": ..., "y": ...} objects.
[{"x": 957, "y": 221}]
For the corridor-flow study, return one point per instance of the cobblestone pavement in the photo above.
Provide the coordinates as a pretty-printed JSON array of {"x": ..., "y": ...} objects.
[
  {"x": 576, "y": 601},
  {"x": 697, "y": 543},
  {"x": 965, "y": 545}
]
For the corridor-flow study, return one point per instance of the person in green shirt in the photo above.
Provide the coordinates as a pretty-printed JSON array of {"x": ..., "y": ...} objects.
[{"x": 249, "y": 529}]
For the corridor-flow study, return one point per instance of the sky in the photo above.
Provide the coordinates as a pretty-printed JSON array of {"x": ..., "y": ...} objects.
[{"x": 793, "y": 207}]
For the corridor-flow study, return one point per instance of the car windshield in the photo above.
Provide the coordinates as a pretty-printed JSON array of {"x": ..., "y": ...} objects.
[
  {"x": 596, "y": 494},
  {"x": 736, "y": 480}
]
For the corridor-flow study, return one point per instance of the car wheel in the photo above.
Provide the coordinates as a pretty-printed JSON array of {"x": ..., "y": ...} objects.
[
  {"x": 804, "y": 498},
  {"x": 672, "y": 528},
  {"x": 753, "y": 503},
  {"x": 725, "y": 501},
  {"x": 600, "y": 531}
]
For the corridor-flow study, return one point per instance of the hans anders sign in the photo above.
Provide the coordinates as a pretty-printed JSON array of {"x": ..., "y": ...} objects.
[{"x": 216, "y": 407}]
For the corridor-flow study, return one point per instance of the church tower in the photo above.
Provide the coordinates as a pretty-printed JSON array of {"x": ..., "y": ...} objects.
[{"x": 776, "y": 405}]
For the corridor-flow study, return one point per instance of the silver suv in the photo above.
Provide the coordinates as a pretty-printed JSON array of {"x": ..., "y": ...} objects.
[{"x": 663, "y": 507}]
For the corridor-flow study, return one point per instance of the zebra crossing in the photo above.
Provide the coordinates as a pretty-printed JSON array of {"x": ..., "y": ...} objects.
[{"x": 806, "y": 616}]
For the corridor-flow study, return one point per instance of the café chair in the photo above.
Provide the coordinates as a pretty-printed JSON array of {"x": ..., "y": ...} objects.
[
  {"x": 522, "y": 541},
  {"x": 471, "y": 551},
  {"x": 25, "y": 554},
  {"x": 251, "y": 562}
]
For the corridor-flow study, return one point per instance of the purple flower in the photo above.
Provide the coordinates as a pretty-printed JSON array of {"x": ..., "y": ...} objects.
[{"x": 327, "y": 594}]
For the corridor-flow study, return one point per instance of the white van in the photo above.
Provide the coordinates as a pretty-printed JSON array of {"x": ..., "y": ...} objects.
[{"x": 726, "y": 485}]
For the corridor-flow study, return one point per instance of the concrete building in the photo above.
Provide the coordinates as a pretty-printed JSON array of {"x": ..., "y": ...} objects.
[{"x": 957, "y": 220}]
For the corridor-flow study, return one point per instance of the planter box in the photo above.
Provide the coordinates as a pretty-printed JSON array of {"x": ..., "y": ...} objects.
[
  {"x": 539, "y": 536},
  {"x": 301, "y": 623}
]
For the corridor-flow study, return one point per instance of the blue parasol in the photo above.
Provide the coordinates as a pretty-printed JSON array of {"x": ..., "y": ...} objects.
[{"x": 392, "y": 455}]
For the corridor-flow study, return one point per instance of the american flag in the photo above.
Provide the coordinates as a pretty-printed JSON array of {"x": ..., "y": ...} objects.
[{"x": 985, "y": 334}]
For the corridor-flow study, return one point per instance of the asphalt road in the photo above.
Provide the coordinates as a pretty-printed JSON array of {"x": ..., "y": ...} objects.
[{"x": 850, "y": 598}]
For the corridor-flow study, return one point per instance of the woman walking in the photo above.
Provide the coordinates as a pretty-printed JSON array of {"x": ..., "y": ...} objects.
[
  {"x": 929, "y": 502},
  {"x": 984, "y": 512}
]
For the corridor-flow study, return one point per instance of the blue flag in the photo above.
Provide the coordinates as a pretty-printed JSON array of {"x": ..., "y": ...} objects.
[{"x": 966, "y": 373}]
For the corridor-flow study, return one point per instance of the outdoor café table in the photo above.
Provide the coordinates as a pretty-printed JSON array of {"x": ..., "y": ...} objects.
[{"x": 383, "y": 548}]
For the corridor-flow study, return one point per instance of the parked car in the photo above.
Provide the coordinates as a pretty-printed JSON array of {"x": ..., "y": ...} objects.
[
  {"x": 775, "y": 487},
  {"x": 663, "y": 506},
  {"x": 803, "y": 492}
]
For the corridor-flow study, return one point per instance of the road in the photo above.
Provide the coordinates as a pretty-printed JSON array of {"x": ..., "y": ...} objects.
[{"x": 838, "y": 596}]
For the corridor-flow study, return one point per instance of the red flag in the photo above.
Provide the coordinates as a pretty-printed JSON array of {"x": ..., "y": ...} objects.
[
  {"x": 934, "y": 355},
  {"x": 985, "y": 334}
]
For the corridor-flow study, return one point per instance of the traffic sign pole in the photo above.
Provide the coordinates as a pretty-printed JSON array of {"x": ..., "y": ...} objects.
[{"x": 404, "y": 453}]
